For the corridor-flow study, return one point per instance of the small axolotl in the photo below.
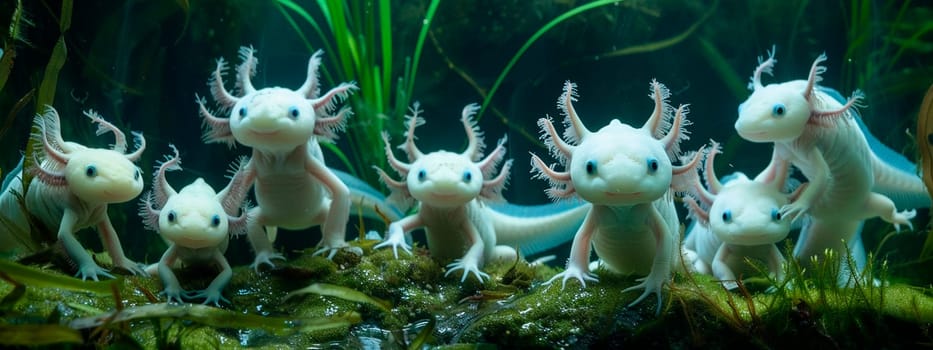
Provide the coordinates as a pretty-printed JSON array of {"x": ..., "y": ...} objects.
[
  {"x": 294, "y": 189},
  {"x": 626, "y": 174},
  {"x": 819, "y": 135},
  {"x": 736, "y": 219},
  {"x": 72, "y": 186},
  {"x": 197, "y": 223},
  {"x": 460, "y": 204}
]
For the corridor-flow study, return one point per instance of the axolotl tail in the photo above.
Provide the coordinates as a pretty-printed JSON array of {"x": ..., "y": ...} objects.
[
  {"x": 535, "y": 228},
  {"x": 895, "y": 175},
  {"x": 10, "y": 175}
]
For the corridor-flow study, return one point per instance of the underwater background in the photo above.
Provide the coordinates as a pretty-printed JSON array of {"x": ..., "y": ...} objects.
[{"x": 140, "y": 64}]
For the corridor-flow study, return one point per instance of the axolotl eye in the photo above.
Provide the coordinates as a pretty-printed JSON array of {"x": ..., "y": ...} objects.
[
  {"x": 653, "y": 165},
  {"x": 90, "y": 171},
  {"x": 727, "y": 216},
  {"x": 215, "y": 220},
  {"x": 422, "y": 175},
  {"x": 293, "y": 112},
  {"x": 171, "y": 216},
  {"x": 776, "y": 214},
  {"x": 778, "y": 110},
  {"x": 467, "y": 176},
  {"x": 242, "y": 112},
  {"x": 591, "y": 167}
]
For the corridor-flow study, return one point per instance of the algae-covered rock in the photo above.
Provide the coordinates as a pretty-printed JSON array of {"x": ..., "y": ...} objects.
[{"x": 377, "y": 300}]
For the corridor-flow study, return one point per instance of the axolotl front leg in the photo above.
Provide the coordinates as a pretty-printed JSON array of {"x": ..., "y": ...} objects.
[
  {"x": 170, "y": 286},
  {"x": 663, "y": 257},
  {"x": 818, "y": 178},
  {"x": 395, "y": 238},
  {"x": 480, "y": 247},
  {"x": 334, "y": 230},
  {"x": 87, "y": 268},
  {"x": 212, "y": 294},
  {"x": 578, "y": 263},
  {"x": 109, "y": 236}
]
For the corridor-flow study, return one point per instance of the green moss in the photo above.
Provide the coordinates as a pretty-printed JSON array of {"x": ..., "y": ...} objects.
[{"x": 513, "y": 308}]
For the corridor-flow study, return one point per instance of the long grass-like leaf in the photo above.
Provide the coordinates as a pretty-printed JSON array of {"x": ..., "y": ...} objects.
[
  {"x": 534, "y": 38},
  {"x": 425, "y": 26},
  {"x": 385, "y": 29}
]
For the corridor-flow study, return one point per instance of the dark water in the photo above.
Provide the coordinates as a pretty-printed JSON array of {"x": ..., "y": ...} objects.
[{"x": 140, "y": 64}]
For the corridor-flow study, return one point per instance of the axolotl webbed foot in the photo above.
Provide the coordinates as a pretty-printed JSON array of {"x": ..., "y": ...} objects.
[
  {"x": 652, "y": 284},
  {"x": 173, "y": 293},
  {"x": 265, "y": 258},
  {"x": 467, "y": 267},
  {"x": 211, "y": 296},
  {"x": 332, "y": 250},
  {"x": 133, "y": 267},
  {"x": 903, "y": 218},
  {"x": 92, "y": 271},
  {"x": 396, "y": 242},
  {"x": 573, "y": 272}
]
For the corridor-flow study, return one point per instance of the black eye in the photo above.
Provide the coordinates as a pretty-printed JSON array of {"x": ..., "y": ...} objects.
[
  {"x": 591, "y": 167},
  {"x": 171, "y": 216},
  {"x": 467, "y": 176},
  {"x": 422, "y": 175},
  {"x": 776, "y": 214},
  {"x": 91, "y": 171},
  {"x": 242, "y": 112},
  {"x": 652, "y": 165},
  {"x": 727, "y": 216},
  {"x": 136, "y": 175},
  {"x": 215, "y": 220},
  {"x": 294, "y": 112},
  {"x": 778, "y": 110}
]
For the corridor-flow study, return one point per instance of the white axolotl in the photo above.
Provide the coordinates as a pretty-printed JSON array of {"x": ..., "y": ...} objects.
[
  {"x": 819, "y": 135},
  {"x": 197, "y": 223},
  {"x": 294, "y": 188},
  {"x": 460, "y": 204},
  {"x": 736, "y": 219},
  {"x": 626, "y": 174},
  {"x": 72, "y": 188}
]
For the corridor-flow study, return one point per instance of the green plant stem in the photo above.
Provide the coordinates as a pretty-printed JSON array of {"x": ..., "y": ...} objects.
[{"x": 534, "y": 38}]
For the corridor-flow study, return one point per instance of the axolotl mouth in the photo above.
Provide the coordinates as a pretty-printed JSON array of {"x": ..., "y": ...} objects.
[
  {"x": 265, "y": 133},
  {"x": 622, "y": 194}
]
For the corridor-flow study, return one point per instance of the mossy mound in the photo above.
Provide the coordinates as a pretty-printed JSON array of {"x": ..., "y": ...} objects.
[{"x": 376, "y": 299}]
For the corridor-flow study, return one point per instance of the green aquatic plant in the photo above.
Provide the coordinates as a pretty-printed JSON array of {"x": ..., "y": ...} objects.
[
  {"x": 341, "y": 292},
  {"x": 531, "y": 40},
  {"x": 216, "y": 317},
  {"x": 357, "y": 37}
]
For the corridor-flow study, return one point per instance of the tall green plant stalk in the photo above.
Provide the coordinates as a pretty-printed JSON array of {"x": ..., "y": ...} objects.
[{"x": 357, "y": 38}]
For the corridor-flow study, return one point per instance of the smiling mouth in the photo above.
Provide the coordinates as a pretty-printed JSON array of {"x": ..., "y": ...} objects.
[
  {"x": 622, "y": 194},
  {"x": 444, "y": 196},
  {"x": 265, "y": 133}
]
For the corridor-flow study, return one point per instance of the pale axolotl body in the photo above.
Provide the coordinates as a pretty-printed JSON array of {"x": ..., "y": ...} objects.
[
  {"x": 294, "y": 189},
  {"x": 626, "y": 174},
  {"x": 736, "y": 219},
  {"x": 72, "y": 187},
  {"x": 819, "y": 135},
  {"x": 197, "y": 223},
  {"x": 454, "y": 192}
]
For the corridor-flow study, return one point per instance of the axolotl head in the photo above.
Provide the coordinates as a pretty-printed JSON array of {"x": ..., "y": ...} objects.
[
  {"x": 94, "y": 175},
  {"x": 444, "y": 179},
  {"x": 620, "y": 165},
  {"x": 747, "y": 212},
  {"x": 273, "y": 119},
  {"x": 102, "y": 176},
  {"x": 194, "y": 217},
  {"x": 774, "y": 113}
]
